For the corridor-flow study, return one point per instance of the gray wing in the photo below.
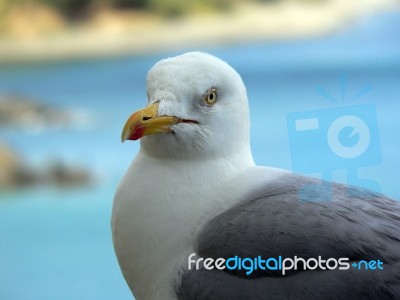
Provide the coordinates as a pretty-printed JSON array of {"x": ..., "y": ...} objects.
[{"x": 304, "y": 218}]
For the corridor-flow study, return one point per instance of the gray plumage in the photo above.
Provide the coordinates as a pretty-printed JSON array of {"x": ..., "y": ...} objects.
[{"x": 342, "y": 222}]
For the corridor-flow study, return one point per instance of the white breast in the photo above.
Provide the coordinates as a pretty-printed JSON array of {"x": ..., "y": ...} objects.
[
  {"x": 157, "y": 210},
  {"x": 160, "y": 206}
]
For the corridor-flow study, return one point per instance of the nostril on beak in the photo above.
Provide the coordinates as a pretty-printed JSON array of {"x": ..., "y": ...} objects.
[{"x": 145, "y": 118}]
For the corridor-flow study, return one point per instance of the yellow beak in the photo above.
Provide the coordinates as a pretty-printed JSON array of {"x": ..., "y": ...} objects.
[{"x": 146, "y": 121}]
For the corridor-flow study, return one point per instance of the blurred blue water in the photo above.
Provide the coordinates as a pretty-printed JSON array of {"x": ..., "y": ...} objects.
[{"x": 56, "y": 244}]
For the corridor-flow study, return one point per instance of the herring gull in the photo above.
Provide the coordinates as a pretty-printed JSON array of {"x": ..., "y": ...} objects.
[{"x": 193, "y": 191}]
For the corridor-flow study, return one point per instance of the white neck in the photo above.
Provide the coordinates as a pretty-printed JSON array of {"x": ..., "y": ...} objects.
[{"x": 161, "y": 204}]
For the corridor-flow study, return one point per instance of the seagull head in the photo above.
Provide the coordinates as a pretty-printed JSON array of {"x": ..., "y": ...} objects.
[{"x": 196, "y": 106}]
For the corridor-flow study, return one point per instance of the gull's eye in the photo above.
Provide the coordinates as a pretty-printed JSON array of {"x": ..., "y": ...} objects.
[{"x": 211, "y": 97}]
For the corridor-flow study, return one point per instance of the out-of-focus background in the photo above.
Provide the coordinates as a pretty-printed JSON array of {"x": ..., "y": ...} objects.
[{"x": 72, "y": 71}]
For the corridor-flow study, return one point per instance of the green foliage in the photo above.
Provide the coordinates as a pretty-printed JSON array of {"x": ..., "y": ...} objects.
[
  {"x": 69, "y": 8},
  {"x": 166, "y": 8},
  {"x": 136, "y": 4},
  {"x": 175, "y": 8},
  {"x": 172, "y": 8}
]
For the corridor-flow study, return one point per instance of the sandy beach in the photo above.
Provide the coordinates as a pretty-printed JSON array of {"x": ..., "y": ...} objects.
[{"x": 112, "y": 33}]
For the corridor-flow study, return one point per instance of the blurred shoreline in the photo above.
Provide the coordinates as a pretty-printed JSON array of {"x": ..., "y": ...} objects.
[
  {"x": 120, "y": 32},
  {"x": 30, "y": 116}
]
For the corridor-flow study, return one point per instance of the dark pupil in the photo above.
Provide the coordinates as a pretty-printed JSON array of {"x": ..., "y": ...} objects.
[{"x": 211, "y": 96}]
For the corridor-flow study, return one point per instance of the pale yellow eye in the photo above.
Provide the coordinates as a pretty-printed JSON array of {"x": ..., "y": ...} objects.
[{"x": 211, "y": 97}]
